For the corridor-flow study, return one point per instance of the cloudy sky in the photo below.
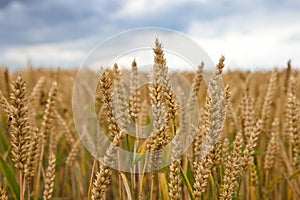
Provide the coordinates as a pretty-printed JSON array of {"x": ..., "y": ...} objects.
[{"x": 252, "y": 34}]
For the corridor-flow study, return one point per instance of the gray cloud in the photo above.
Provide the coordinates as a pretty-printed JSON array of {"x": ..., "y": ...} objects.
[
  {"x": 29, "y": 24},
  {"x": 52, "y": 21}
]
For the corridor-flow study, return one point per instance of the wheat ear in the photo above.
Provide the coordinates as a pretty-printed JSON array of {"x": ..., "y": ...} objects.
[
  {"x": 49, "y": 115},
  {"x": 45, "y": 131},
  {"x": 287, "y": 77},
  {"x": 32, "y": 160},
  {"x": 273, "y": 146},
  {"x": 175, "y": 181},
  {"x": 157, "y": 96},
  {"x": 269, "y": 98},
  {"x": 73, "y": 153},
  {"x": 49, "y": 179},
  {"x": 103, "y": 176},
  {"x": 247, "y": 115},
  {"x": 105, "y": 89},
  {"x": 232, "y": 169},
  {"x": 202, "y": 171},
  {"x": 292, "y": 126},
  {"x": 120, "y": 101},
  {"x": 251, "y": 143},
  {"x": 19, "y": 127},
  {"x": 6, "y": 82},
  {"x": 5, "y": 104},
  {"x": 215, "y": 112},
  {"x": 34, "y": 100},
  {"x": 65, "y": 129},
  {"x": 135, "y": 94},
  {"x": 3, "y": 195},
  {"x": 214, "y": 121}
]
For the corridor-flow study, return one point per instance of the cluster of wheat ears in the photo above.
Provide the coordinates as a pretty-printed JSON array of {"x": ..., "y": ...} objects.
[{"x": 246, "y": 143}]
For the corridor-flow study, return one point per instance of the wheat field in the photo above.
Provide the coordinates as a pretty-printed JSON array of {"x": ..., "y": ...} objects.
[{"x": 246, "y": 144}]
